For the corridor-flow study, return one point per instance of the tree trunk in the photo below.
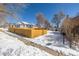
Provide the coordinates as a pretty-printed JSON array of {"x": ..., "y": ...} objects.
[
  {"x": 70, "y": 44},
  {"x": 63, "y": 40}
]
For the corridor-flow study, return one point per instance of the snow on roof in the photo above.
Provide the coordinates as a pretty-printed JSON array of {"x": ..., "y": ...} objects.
[
  {"x": 25, "y": 22},
  {"x": 22, "y": 22}
]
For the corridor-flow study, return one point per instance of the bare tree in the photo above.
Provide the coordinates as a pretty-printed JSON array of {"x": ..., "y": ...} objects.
[
  {"x": 57, "y": 19},
  {"x": 42, "y": 21},
  {"x": 2, "y": 15},
  {"x": 10, "y": 10}
]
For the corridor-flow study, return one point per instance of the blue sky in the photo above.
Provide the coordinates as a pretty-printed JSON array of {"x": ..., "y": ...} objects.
[{"x": 28, "y": 13}]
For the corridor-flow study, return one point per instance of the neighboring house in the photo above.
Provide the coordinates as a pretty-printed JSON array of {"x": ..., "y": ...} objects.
[{"x": 24, "y": 24}]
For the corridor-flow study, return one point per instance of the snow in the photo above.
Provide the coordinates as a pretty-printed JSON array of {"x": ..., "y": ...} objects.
[
  {"x": 23, "y": 22},
  {"x": 11, "y": 46},
  {"x": 53, "y": 40}
]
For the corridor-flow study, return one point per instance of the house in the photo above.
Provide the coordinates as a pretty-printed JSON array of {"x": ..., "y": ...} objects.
[{"x": 24, "y": 24}]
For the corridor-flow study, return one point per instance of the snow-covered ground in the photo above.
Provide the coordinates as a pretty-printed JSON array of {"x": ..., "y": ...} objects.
[
  {"x": 11, "y": 46},
  {"x": 53, "y": 40}
]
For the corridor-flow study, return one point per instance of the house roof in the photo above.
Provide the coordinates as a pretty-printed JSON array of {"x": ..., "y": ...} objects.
[{"x": 22, "y": 22}]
